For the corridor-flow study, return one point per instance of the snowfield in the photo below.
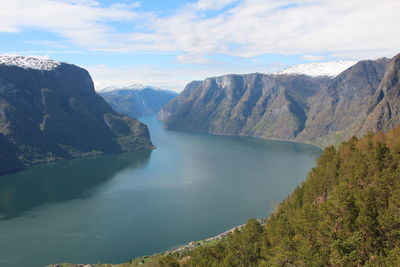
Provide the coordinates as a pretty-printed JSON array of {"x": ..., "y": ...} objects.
[
  {"x": 330, "y": 69},
  {"x": 29, "y": 62}
]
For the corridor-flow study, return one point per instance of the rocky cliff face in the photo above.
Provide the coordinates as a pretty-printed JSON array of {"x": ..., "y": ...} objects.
[
  {"x": 339, "y": 110},
  {"x": 138, "y": 102},
  {"x": 319, "y": 110},
  {"x": 384, "y": 112},
  {"x": 268, "y": 106},
  {"x": 49, "y": 111}
]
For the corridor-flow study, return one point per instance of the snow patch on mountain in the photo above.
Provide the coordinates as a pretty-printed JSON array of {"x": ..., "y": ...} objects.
[
  {"x": 331, "y": 69},
  {"x": 108, "y": 88},
  {"x": 102, "y": 88},
  {"x": 29, "y": 62}
]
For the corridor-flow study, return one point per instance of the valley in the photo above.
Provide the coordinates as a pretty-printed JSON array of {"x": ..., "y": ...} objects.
[
  {"x": 114, "y": 208},
  {"x": 199, "y": 133}
]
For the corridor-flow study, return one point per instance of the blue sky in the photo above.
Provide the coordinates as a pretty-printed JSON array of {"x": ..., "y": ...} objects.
[{"x": 169, "y": 43}]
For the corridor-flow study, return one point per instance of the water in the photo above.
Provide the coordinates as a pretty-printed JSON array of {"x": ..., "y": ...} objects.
[{"x": 117, "y": 207}]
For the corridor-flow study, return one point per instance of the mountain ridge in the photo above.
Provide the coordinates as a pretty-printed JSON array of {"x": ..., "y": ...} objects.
[
  {"x": 318, "y": 110},
  {"x": 53, "y": 114}
]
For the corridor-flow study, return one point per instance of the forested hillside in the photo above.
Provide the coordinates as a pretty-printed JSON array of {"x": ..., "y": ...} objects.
[{"x": 346, "y": 213}]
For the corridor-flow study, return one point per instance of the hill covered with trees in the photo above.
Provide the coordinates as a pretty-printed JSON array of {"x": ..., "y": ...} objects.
[{"x": 346, "y": 213}]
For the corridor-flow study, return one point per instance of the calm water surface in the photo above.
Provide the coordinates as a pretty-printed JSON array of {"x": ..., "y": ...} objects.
[{"x": 116, "y": 207}]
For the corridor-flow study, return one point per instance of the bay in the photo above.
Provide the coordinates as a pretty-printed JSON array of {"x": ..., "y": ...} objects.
[{"x": 116, "y": 207}]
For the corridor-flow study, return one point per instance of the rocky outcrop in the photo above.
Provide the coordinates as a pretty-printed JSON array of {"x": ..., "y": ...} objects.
[
  {"x": 339, "y": 110},
  {"x": 267, "y": 106},
  {"x": 50, "y": 111},
  {"x": 138, "y": 102},
  {"x": 384, "y": 112},
  {"x": 319, "y": 110}
]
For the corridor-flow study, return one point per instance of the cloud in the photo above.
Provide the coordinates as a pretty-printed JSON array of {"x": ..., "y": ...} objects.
[
  {"x": 313, "y": 57},
  {"x": 212, "y": 4},
  {"x": 53, "y": 44},
  {"x": 83, "y": 22},
  {"x": 43, "y": 52},
  {"x": 245, "y": 28},
  {"x": 193, "y": 59}
]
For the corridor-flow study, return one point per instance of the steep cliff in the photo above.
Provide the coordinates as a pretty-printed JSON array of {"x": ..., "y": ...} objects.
[
  {"x": 320, "y": 110},
  {"x": 384, "y": 112},
  {"x": 339, "y": 110},
  {"x": 268, "y": 106},
  {"x": 49, "y": 111}
]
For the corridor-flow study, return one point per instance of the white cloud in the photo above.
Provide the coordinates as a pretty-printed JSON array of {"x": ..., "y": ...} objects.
[
  {"x": 248, "y": 28},
  {"x": 313, "y": 57},
  {"x": 212, "y": 4},
  {"x": 53, "y": 44},
  {"x": 43, "y": 52},
  {"x": 193, "y": 59},
  {"x": 83, "y": 22}
]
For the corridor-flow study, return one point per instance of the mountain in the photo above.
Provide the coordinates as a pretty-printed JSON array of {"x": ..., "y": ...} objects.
[
  {"x": 340, "y": 109},
  {"x": 321, "y": 110},
  {"x": 137, "y": 100},
  {"x": 267, "y": 106},
  {"x": 331, "y": 69},
  {"x": 385, "y": 110},
  {"x": 50, "y": 111}
]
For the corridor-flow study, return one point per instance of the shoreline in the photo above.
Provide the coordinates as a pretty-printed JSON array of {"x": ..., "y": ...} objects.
[{"x": 193, "y": 244}]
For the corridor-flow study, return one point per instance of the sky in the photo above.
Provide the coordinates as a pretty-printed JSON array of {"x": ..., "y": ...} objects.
[{"x": 168, "y": 43}]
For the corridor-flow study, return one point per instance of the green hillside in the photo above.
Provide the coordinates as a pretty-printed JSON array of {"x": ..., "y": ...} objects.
[{"x": 346, "y": 213}]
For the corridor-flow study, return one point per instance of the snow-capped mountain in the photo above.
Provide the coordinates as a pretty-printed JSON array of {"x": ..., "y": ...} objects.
[
  {"x": 136, "y": 100},
  {"x": 50, "y": 108},
  {"x": 332, "y": 68},
  {"x": 29, "y": 62},
  {"x": 101, "y": 88}
]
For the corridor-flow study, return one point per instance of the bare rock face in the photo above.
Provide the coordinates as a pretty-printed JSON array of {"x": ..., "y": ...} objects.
[
  {"x": 339, "y": 110},
  {"x": 267, "y": 106},
  {"x": 319, "y": 110},
  {"x": 384, "y": 112},
  {"x": 49, "y": 111}
]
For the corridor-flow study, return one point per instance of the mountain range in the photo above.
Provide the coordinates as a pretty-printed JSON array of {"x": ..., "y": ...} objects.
[
  {"x": 137, "y": 100},
  {"x": 50, "y": 111},
  {"x": 318, "y": 109}
]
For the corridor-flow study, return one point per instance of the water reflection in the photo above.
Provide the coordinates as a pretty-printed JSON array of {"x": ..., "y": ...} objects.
[{"x": 62, "y": 181}]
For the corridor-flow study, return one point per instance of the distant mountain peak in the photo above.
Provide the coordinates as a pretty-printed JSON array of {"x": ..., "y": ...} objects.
[
  {"x": 135, "y": 87},
  {"x": 136, "y": 100},
  {"x": 29, "y": 62},
  {"x": 331, "y": 68}
]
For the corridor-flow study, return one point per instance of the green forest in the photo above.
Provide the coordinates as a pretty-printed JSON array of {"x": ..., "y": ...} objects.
[{"x": 346, "y": 213}]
